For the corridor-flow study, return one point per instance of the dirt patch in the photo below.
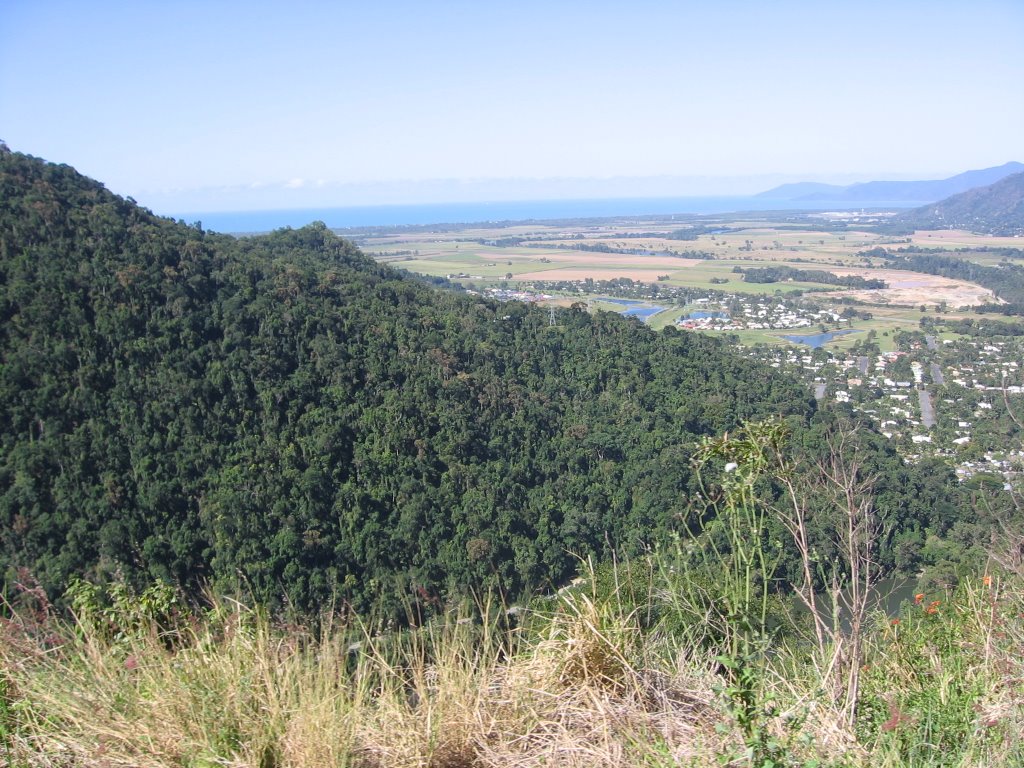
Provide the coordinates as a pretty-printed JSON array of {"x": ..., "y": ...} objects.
[{"x": 914, "y": 289}]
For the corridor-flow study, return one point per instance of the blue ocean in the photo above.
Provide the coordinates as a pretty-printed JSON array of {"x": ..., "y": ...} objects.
[{"x": 518, "y": 210}]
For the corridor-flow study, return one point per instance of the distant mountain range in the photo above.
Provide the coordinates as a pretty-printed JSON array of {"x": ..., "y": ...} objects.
[
  {"x": 996, "y": 209},
  {"x": 893, "y": 191}
]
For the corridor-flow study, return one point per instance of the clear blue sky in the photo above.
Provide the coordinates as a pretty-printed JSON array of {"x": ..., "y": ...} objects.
[{"x": 191, "y": 106}]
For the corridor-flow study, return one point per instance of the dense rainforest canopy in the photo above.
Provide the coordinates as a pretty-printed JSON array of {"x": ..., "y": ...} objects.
[{"x": 281, "y": 415}]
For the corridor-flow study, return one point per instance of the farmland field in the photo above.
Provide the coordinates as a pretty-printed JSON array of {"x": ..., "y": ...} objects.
[{"x": 671, "y": 262}]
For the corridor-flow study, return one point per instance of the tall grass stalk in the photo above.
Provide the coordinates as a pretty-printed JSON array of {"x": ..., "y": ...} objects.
[{"x": 733, "y": 543}]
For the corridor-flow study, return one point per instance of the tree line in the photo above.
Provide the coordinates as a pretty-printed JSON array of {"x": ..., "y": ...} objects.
[{"x": 781, "y": 273}]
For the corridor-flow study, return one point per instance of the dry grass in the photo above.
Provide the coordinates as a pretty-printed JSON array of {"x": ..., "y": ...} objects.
[
  {"x": 581, "y": 683},
  {"x": 234, "y": 690}
]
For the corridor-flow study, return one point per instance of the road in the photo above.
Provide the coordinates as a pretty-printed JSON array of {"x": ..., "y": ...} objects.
[
  {"x": 937, "y": 376},
  {"x": 927, "y": 411}
]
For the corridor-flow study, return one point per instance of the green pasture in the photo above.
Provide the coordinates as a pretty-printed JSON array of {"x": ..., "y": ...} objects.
[
  {"x": 986, "y": 259},
  {"x": 951, "y": 240},
  {"x": 764, "y": 241}
]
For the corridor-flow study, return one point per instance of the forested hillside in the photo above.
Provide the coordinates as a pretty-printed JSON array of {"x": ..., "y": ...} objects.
[
  {"x": 996, "y": 209},
  {"x": 283, "y": 416},
  {"x": 187, "y": 406}
]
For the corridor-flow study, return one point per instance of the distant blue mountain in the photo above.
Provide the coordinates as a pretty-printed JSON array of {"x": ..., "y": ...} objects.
[{"x": 894, "y": 191}]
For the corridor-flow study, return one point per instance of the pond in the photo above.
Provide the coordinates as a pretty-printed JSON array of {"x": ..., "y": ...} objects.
[
  {"x": 644, "y": 313},
  {"x": 817, "y": 339},
  {"x": 633, "y": 308},
  {"x": 704, "y": 314}
]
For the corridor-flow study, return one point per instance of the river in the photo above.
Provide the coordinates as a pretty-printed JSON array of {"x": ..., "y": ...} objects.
[{"x": 886, "y": 596}]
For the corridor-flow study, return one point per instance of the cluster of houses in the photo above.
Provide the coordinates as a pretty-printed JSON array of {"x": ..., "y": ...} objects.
[
  {"x": 903, "y": 406},
  {"x": 740, "y": 313},
  {"x": 506, "y": 294},
  {"x": 993, "y": 369}
]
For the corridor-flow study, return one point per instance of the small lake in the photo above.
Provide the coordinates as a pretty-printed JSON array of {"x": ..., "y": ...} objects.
[
  {"x": 818, "y": 339},
  {"x": 622, "y": 302},
  {"x": 634, "y": 308},
  {"x": 704, "y": 314},
  {"x": 644, "y": 313}
]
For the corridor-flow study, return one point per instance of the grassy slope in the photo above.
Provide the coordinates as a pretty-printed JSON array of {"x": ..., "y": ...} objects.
[{"x": 584, "y": 683}]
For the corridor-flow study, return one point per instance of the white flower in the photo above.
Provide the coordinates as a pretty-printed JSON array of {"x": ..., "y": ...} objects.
[{"x": 731, "y": 466}]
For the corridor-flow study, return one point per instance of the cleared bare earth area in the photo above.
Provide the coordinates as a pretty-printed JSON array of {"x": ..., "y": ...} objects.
[{"x": 913, "y": 289}]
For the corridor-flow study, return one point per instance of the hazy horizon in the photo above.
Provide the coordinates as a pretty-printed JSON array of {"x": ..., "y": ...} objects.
[
  {"x": 455, "y": 191},
  {"x": 238, "y": 106}
]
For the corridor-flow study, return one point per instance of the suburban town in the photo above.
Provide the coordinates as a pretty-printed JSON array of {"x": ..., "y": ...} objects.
[{"x": 955, "y": 399}]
